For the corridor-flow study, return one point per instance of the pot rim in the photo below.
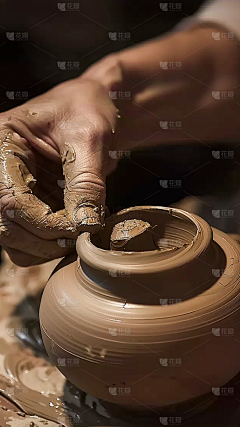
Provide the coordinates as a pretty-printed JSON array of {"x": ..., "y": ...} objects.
[{"x": 146, "y": 262}]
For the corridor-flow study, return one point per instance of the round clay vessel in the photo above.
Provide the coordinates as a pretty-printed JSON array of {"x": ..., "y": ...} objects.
[{"x": 154, "y": 326}]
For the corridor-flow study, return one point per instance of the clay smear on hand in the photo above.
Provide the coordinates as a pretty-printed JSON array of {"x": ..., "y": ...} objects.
[
  {"x": 16, "y": 183},
  {"x": 82, "y": 209},
  {"x": 17, "y": 180}
]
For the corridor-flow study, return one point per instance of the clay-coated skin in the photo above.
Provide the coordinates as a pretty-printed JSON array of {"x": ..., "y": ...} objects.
[
  {"x": 48, "y": 191},
  {"x": 142, "y": 326}
]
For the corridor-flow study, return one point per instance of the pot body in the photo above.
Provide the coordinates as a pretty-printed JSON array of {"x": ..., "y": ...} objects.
[{"x": 148, "y": 328}]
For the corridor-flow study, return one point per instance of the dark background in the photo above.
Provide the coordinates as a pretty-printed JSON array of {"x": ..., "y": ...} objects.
[{"x": 82, "y": 35}]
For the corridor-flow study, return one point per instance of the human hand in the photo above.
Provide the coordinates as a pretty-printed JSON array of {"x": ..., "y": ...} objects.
[
  {"x": 185, "y": 87},
  {"x": 57, "y": 141}
]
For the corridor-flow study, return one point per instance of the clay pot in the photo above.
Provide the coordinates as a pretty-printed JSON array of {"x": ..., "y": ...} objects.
[{"x": 151, "y": 327}]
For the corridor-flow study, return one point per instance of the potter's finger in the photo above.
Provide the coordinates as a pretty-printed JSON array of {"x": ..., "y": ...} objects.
[
  {"x": 18, "y": 204},
  {"x": 14, "y": 236},
  {"x": 36, "y": 217},
  {"x": 84, "y": 186},
  {"x": 85, "y": 146}
]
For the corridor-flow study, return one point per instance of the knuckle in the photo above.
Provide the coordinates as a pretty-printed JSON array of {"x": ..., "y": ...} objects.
[
  {"x": 96, "y": 129},
  {"x": 87, "y": 183}
]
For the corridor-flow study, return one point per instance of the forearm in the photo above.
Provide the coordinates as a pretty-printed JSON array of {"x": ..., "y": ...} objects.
[{"x": 168, "y": 79}]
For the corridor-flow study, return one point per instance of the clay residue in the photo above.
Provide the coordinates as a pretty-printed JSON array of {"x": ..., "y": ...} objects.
[
  {"x": 87, "y": 213},
  {"x": 14, "y": 171},
  {"x": 11, "y": 415},
  {"x": 84, "y": 210},
  {"x": 16, "y": 182},
  {"x": 33, "y": 391},
  {"x": 68, "y": 156},
  {"x": 32, "y": 383},
  {"x": 17, "y": 179},
  {"x": 132, "y": 235}
]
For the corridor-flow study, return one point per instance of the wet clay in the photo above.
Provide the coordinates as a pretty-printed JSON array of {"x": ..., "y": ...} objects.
[
  {"x": 28, "y": 381},
  {"x": 143, "y": 321},
  {"x": 33, "y": 393},
  {"x": 10, "y": 415},
  {"x": 138, "y": 235},
  {"x": 36, "y": 392},
  {"x": 130, "y": 235},
  {"x": 84, "y": 210},
  {"x": 31, "y": 389},
  {"x": 31, "y": 385},
  {"x": 17, "y": 182},
  {"x": 17, "y": 159}
]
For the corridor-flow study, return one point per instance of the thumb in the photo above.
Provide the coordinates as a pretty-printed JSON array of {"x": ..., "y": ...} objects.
[{"x": 83, "y": 167}]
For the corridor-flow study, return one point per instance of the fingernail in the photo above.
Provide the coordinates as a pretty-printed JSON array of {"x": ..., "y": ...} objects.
[{"x": 89, "y": 215}]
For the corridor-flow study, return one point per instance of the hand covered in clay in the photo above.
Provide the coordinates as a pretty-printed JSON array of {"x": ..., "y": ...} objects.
[{"x": 54, "y": 159}]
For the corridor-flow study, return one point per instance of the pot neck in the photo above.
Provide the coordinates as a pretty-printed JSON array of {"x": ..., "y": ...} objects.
[{"x": 183, "y": 262}]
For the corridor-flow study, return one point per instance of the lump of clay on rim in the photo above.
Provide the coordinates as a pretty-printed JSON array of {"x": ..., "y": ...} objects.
[{"x": 132, "y": 235}]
